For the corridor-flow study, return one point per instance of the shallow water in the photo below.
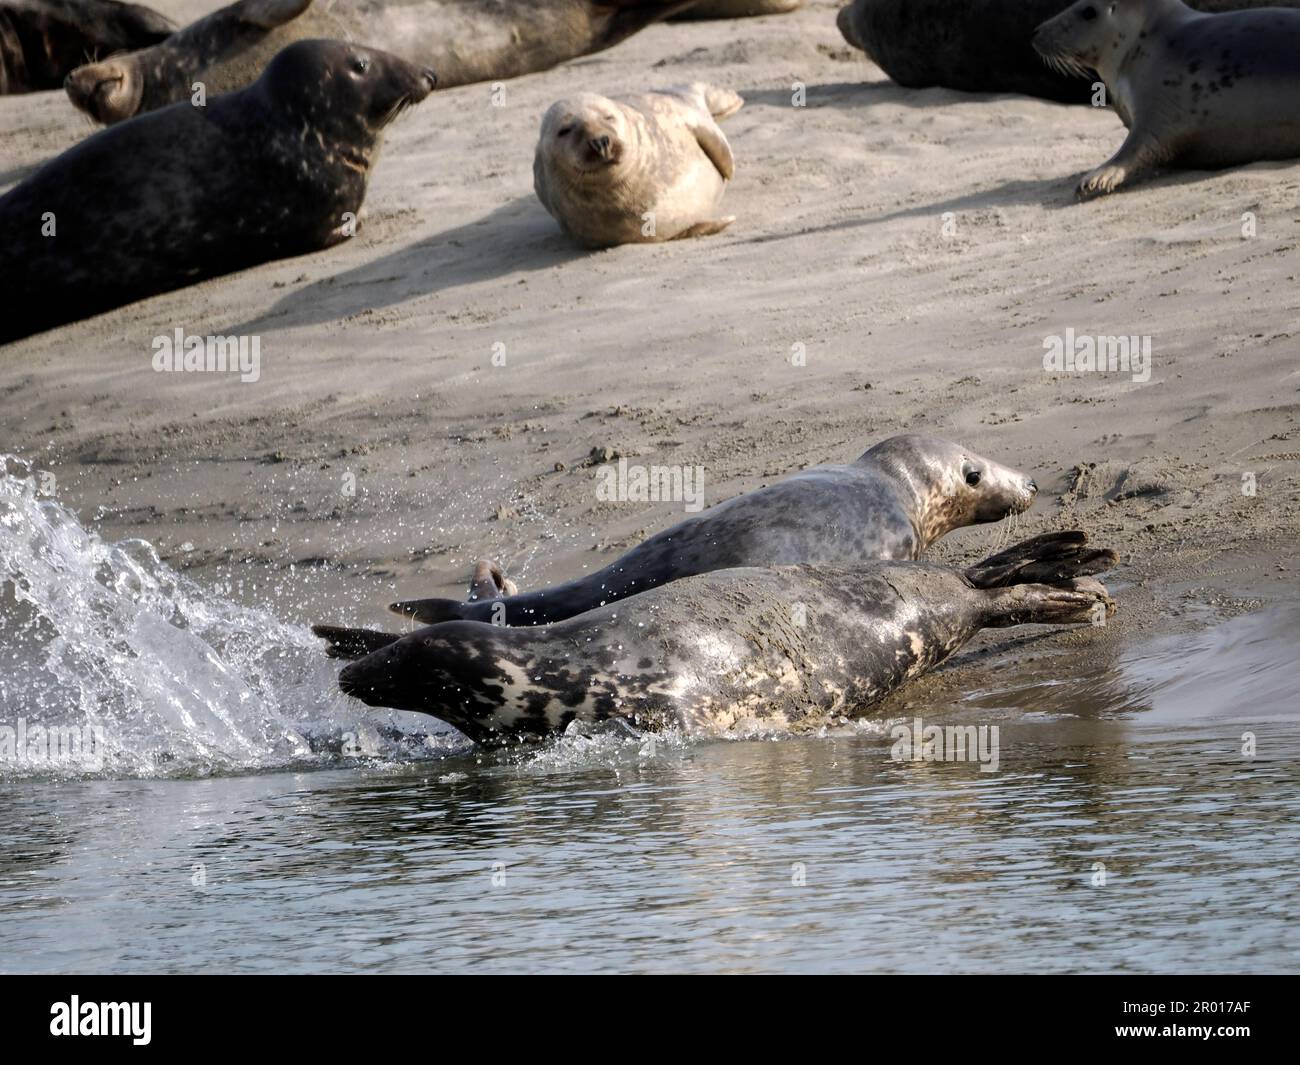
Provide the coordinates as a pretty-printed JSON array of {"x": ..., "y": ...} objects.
[{"x": 225, "y": 829}]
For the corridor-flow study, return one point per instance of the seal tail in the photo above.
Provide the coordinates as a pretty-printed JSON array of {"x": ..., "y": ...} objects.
[
  {"x": 1052, "y": 558},
  {"x": 348, "y": 643}
]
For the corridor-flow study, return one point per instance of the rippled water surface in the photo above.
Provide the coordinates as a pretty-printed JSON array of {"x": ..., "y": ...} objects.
[{"x": 1145, "y": 815}]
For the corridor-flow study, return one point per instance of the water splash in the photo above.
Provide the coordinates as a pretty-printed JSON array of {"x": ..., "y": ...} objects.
[{"x": 112, "y": 663}]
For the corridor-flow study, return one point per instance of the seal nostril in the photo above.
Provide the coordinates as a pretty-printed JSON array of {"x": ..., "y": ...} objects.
[{"x": 1032, "y": 485}]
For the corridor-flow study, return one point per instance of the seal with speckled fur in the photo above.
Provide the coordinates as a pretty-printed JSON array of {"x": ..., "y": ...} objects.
[
  {"x": 790, "y": 648},
  {"x": 186, "y": 193},
  {"x": 1194, "y": 90},
  {"x": 976, "y": 45},
  {"x": 636, "y": 169},
  {"x": 892, "y": 503},
  {"x": 463, "y": 40},
  {"x": 42, "y": 40}
]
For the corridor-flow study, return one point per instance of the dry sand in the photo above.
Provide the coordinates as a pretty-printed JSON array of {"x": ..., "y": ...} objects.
[{"x": 377, "y": 355}]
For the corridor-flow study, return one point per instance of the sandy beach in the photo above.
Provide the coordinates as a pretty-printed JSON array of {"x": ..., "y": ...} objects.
[{"x": 898, "y": 260}]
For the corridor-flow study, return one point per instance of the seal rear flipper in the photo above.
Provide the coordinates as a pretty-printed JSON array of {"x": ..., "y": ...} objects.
[
  {"x": 706, "y": 229},
  {"x": 342, "y": 642},
  {"x": 490, "y": 581},
  {"x": 429, "y": 611},
  {"x": 1041, "y": 604},
  {"x": 1051, "y": 558}
]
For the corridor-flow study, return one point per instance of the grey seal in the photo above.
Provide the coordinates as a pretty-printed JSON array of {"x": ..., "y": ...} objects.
[
  {"x": 186, "y": 193},
  {"x": 1194, "y": 90},
  {"x": 636, "y": 169},
  {"x": 41, "y": 41},
  {"x": 891, "y": 503},
  {"x": 783, "y": 648},
  {"x": 463, "y": 40},
  {"x": 977, "y": 45}
]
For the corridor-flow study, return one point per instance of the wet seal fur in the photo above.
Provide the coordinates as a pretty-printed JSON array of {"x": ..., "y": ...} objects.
[
  {"x": 976, "y": 45},
  {"x": 188, "y": 193},
  {"x": 41, "y": 41},
  {"x": 1194, "y": 90},
  {"x": 636, "y": 169},
  {"x": 891, "y": 503},
  {"x": 777, "y": 649},
  {"x": 463, "y": 40}
]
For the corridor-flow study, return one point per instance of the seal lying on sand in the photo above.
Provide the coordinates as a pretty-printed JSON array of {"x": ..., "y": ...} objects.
[
  {"x": 42, "y": 40},
  {"x": 780, "y": 648},
  {"x": 892, "y": 503},
  {"x": 187, "y": 193},
  {"x": 1202, "y": 91},
  {"x": 977, "y": 45},
  {"x": 463, "y": 40},
  {"x": 720, "y": 9},
  {"x": 637, "y": 169}
]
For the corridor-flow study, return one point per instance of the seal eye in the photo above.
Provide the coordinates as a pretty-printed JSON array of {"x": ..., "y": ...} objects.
[
  {"x": 973, "y": 478},
  {"x": 565, "y": 131},
  {"x": 360, "y": 64},
  {"x": 1088, "y": 13}
]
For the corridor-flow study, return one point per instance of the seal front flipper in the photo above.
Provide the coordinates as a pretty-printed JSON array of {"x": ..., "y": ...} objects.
[
  {"x": 1045, "y": 559},
  {"x": 341, "y": 642},
  {"x": 713, "y": 142}
]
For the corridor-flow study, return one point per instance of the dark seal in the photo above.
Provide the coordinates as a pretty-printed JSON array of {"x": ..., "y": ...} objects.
[
  {"x": 463, "y": 40},
  {"x": 42, "y": 41},
  {"x": 1195, "y": 90},
  {"x": 791, "y": 648},
  {"x": 978, "y": 45},
  {"x": 892, "y": 503},
  {"x": 187, "y": 193}
]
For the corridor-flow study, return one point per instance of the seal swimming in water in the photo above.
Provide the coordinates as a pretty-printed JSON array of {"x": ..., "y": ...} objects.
[
  {"x": 42, "y": 40},
  {"x": 976, "y": 45},
  {"x": 1194, "y": 90},
  {"x": 891, "y": 503},
  {"x": 783, "y": 648},
  {"x": 463, "y": 40},
  {"x": 636, "y": 169},
  {"x": 187, "y": 193}
]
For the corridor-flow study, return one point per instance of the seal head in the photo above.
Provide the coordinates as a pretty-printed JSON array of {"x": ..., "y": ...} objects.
[
  {"x": 948, "y": 486},
  {"x": 121, "y": 86}
]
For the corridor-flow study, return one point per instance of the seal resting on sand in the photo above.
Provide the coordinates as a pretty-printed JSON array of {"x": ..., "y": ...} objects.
[
  {"x": 463, "y": 40},
  {"x": 187, "y": 193},
  {"x": 636, "y": 169},
  {"x": 41, "y": 41},
  {"x": 784, "y": 648},
  {"x": 976, "y": 45},
  {"x": 1194, "y": 90}
]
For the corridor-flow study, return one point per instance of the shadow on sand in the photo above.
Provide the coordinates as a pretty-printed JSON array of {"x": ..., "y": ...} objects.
[{"x": 518, "y": 237}]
